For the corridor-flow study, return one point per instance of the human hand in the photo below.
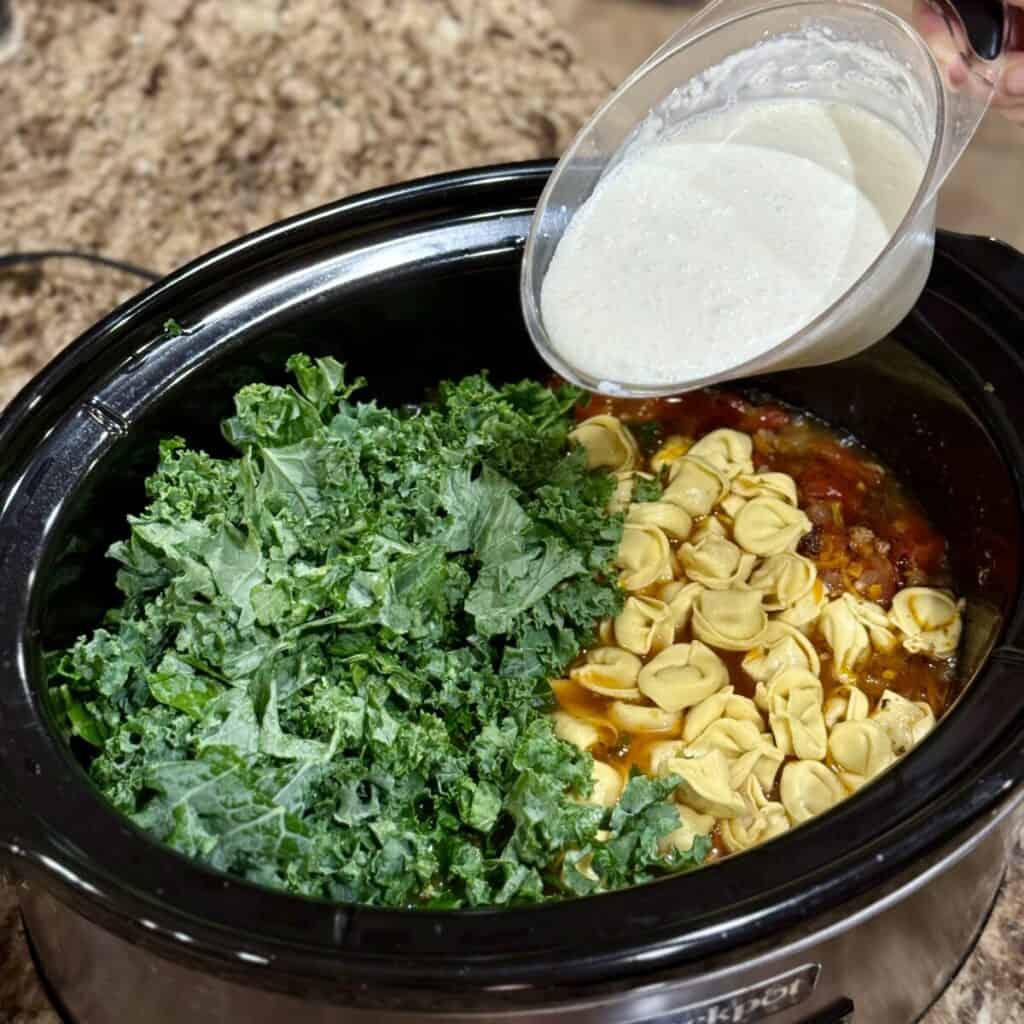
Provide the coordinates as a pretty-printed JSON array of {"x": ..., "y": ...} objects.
[{"x": 1009, "y": 97}]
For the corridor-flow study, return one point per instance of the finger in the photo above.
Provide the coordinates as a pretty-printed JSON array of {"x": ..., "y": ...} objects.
[{"x": 1010, "y": 93}]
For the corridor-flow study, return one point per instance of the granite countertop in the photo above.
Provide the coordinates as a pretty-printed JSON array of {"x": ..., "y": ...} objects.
[{"x": 152, "y": 132}]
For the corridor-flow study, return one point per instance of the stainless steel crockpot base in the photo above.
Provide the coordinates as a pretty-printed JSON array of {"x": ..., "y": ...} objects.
[{"x": 410, "y": 285}]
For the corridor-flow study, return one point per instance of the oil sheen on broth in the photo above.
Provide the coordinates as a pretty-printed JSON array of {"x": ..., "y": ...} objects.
[{"x": 709, "y": 247}]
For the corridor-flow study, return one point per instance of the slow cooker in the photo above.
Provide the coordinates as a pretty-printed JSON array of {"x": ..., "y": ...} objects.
[{"x": 862, "y": 914}]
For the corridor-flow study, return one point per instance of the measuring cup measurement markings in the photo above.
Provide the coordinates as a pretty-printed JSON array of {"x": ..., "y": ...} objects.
[{"x": 843, "y": 53}]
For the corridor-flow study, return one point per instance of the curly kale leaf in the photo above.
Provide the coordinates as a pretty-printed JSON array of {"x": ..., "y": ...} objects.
[{"x": 329, "y": 673}]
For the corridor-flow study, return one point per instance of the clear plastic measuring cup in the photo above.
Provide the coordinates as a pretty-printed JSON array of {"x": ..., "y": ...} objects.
[{"x": 734, "y": 51}]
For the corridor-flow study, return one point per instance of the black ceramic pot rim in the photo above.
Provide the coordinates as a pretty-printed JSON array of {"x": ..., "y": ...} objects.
[{"x": 58, "y": 830}]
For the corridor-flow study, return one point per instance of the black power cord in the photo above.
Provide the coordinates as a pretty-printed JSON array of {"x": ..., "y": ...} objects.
[{"x": 12, "y": 259}]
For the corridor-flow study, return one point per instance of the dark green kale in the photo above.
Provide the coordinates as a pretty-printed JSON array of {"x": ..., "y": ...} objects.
[{"x": 329, "y": 673}]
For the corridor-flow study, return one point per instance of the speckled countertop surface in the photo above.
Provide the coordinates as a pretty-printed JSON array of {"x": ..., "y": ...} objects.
[{"x": 152, "y": 131}]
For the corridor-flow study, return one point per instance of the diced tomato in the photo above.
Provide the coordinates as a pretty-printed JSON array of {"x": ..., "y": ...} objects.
[{"x": 877, "y": 579}]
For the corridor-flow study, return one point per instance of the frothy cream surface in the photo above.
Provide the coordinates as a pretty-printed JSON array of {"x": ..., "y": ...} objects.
[{"x": 697, "y": 253}]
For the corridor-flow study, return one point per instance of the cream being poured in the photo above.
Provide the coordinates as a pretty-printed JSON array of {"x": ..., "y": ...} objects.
[{"x": 698, "y": 252}]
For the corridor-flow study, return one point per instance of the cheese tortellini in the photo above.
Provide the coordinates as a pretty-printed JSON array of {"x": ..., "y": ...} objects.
[
  {"x": 607, "y": 443},
  {"x": 712, "y": 566},
  {"x": 694, "y": 485},
  {"x": 781, "y": 646},
  {"x": 682, "y": 675},
  {"x": 796, "y": 715},
  {"x": 644, "y": 557},
  {"x": 928, "y": 619},
  {"x": 784, "y": 580},
  {"x": 733, "y": 620},
  {"x": 691, "y": 825},
  {"x": 769, "y": 526},
  {"x": 729, "y": 451},
  {"x": 758, "y": 826},
  {"x": 639, "y": 720},
  {"x": 808, "y": 788},
  {"x": 846, "y": 704},
  {"x": 860, "y": 749},
  {"x": 673, "y": 521},
  {"x": 606, "y": 785},
  {"x": 906, "y": 721},
  {"x": 672, "y": 448},
  {"x": 705, "y": 784},
  {"x": 716, "y": 563},
  {"x": 679, "y": 598},
  {"x": 644, "y": 625},
  {"x": 804, "y": 614},
  {"x": 571, "y": 729},
  {"x": 852, "y": 627},
  {"x": 609, "y": 672},
  {"x": 766, "y": 485},
  {"x": 702, "y": 714}
]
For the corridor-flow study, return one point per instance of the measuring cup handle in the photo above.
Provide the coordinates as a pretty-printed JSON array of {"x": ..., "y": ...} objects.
[{"x": 987, "y": 24}]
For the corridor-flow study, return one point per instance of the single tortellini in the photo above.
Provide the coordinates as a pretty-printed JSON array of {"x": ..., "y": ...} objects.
[
  {"x": 766, "y": 485},
  {"x": 804, "y": 614},
  {"x": 566, "y": 692},
  {"x": 861, "y": 750},
  {"x": 694, "y": 485},
  {"x": 644, "y": 625},
  {"x": 851, "y": 627},
  {"x": 906, "y": 721},
  {"x": 644, "y": 557},
  {"x": 691, "y": 825},
  {"x": 808, "y": 788},
  {"x": 607, "y": 443},
  {"x": 709, "y": 710},
  {"x": 641, "y": 720},
  {"x": 679, "y": 597},
  {"x": 732, "y": 738},
  {"x": 752, "y": 829},
  {"x": 731, "y": 504},
  {"x": 572, "y": 730},
  {"x": 769, "y": 526},
  {"x": 674, "y": 447},
  {"x": 743, "y": 709},
  {"x": 929, "y": 620},
  {"x": 761, "y": 763},
  {"x": 729, "y": 451},
  {"x": 709, "y": 526},
  {"x": 783, "y": 580},
  {"x": 607, "y": 785},
  {"x": 781, "y": 646},
  {"x": 660, "y": 753},
  {"x": 609, "y": 672},
  {"x": 846, "y": 704},
  {"x": 796, "y": 716},
  {"x": 732, "y": 620},
  {"x": 682, "y": 675},
  {"x": 725, "y": 704},
  {"x": 705, "y": 784},
  {"x": 625, "y": 485},
  {"x": 715, "y": 562},
  {"x": 673, "y": 520}
]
